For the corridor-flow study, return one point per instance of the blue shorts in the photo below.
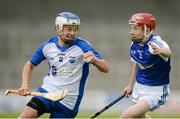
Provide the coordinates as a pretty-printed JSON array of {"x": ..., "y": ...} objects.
[{"x": 56, "y": 109}]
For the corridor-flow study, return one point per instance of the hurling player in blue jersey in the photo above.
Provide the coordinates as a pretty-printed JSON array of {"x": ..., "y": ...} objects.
[
  {"x": 68, "y": 57},
  {"x": 149, "y": 81}
]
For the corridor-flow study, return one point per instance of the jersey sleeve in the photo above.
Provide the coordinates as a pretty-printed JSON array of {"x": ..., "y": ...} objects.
[
  {"x": 86, "y": 46},
  {"x": 161, "y": 44},
  {"x": 38, "y": 55},
  {"x": 92, "y": 49}
]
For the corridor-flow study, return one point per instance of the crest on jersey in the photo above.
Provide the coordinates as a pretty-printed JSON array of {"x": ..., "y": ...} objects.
[{"x": 72, "y": 59}]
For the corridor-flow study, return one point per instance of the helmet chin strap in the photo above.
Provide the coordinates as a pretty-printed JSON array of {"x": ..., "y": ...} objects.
[
  {"x": 146, "y": 36},
  {"x": 67, "y": 40}
]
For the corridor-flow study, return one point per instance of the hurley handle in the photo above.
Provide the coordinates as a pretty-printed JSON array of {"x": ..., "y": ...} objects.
[
  {"x": 11, "y": 91},
  {"x": 17, "y": 92}
]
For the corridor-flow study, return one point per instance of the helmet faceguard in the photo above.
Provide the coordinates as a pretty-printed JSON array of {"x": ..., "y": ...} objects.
[
  {"x": 66, "y": 18},
  {"x": 145, "y": 20}
]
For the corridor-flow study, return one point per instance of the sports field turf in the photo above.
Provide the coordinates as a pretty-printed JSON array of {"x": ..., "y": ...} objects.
[{"x": 104, "y": 115}]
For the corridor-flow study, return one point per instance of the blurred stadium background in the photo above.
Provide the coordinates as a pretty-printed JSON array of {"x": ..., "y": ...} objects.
[{"x": 24, "y": 24}]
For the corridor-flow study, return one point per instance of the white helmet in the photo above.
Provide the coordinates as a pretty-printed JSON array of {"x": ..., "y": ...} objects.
[{"x": 66, "y": 18}]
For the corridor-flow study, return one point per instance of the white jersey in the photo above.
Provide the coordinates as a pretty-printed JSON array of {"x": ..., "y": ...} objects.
[{"x": 67, "y": 68}]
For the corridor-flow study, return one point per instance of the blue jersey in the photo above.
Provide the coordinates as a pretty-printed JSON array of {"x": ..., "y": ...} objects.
[
  {"x": 67, "y": 68},
  {"x": 153, "y": 70}
]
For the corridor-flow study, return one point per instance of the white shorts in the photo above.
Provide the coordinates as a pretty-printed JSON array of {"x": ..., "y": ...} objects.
[{"x": 154, "y": 95}]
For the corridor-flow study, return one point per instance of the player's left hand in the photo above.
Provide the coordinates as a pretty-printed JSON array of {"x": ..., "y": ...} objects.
[{"x": 89, "y": 57}]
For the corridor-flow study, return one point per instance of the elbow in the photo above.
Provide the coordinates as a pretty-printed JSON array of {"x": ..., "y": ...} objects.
[
  {"x": 166, "y": 52},
  {"x": 106, "y": 70},
  {"x": 170, "y": 53}
]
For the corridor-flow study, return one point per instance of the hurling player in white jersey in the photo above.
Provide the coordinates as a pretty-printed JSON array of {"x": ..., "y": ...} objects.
[
  {"x": 149, "y": 81},
  {"x": 68, "y": 57}
]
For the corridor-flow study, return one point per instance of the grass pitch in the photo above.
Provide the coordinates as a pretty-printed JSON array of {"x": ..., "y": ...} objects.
[{"x": 103, "y": 115}]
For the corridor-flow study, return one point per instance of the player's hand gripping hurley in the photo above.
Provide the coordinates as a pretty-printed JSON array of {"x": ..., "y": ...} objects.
[
  {"x": 108, "y": 106},
  {"x": 54, "y": 96}
]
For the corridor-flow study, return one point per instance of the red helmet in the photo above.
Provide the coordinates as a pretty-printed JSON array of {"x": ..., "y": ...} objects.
[{"x": 143, "y": 19}]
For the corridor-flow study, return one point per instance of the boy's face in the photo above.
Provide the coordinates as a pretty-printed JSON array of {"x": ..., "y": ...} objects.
[{"x": 137, "y": 33}]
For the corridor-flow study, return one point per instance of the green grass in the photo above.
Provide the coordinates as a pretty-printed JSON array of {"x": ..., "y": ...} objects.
[
  {"x": 117, "y": 115},
  {"x": 103, "y": 115}
]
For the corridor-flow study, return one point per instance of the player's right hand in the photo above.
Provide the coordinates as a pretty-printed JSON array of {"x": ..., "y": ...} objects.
[
  {"x": 24, "y": 91},
  {"x": 128, "y": 90},
  {"x": 89, "y": 57}
]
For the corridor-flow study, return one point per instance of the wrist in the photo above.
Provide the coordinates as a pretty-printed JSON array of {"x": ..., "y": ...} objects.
[
  {"x": 94, "y": 62},
  {"x": 24, "y": 85},
  {"x": 131, "y": 85}
]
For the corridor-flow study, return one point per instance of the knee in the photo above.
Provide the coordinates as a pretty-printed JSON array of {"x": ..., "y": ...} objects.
[{"x": 125, "y": 115}]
